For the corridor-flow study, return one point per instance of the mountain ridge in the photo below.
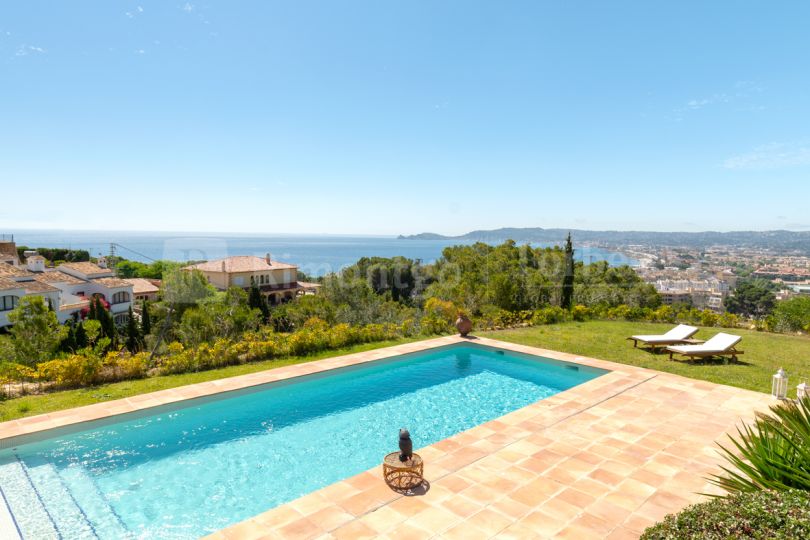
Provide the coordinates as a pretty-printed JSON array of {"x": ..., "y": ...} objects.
[{"x": 774, "y": 239}]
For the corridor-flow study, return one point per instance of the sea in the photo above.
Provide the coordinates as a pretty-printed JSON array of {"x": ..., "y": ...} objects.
[{"x": 316, "y": 255}]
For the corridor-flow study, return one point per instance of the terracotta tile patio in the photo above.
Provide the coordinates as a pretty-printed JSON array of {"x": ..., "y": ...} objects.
[{"x": 604, "y": 459}]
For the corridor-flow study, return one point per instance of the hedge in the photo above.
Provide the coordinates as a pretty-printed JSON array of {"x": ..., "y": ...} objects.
[{"x": 759, "y": 515}]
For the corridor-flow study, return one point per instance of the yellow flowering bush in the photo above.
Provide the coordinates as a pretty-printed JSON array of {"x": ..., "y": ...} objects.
[{"x": 72, "y": 370}]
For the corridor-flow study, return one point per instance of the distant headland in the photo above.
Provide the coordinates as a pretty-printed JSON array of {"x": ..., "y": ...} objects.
[{"x": 777, "y": 239}]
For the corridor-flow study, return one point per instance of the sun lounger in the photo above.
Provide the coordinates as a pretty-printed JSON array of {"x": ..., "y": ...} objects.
[
  {"x": 719, "y": 345},
  {"x": 678, "y": 335}
]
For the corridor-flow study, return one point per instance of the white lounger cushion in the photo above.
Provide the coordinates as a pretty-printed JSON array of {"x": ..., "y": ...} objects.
[
  {"x": 680, "y": 332},
  {"x": 717, "y": 344}
]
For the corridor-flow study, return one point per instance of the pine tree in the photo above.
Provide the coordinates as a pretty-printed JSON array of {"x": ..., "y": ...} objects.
[
  {"x": 146, "y": 322},
  {"x": 257, "y": 301},
  {"x": 568, "y": 277},
  {"x": 81, "y": 336},
  {"x": 133, "y": 334}
]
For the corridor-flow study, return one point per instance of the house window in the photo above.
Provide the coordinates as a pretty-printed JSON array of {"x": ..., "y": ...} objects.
[
  {"x": 120, "y": 297},
  {"x": 239, "y": 281},
  {"x": 121, "y": 319},
  {"x": 7, "y": 303}
]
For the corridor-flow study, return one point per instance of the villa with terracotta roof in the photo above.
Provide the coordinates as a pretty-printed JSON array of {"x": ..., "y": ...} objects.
[
  {"x": 67, "y": 288},
  {"x": 276, "y": 280},
  {"x": 144, "y": 289}
]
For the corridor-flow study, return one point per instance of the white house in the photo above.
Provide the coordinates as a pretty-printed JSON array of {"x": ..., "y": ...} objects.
[{"x": 68, "y": 288}]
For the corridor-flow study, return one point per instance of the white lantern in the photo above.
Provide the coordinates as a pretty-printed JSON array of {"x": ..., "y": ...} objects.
[
  {"x": 802, "y": 391},
  {"x": 779, "y": 388}
]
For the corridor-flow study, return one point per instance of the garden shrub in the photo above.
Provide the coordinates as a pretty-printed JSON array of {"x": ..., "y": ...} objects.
[
  {"x": 759, "y": 515},
  {"x": 664, "y": 314},
  {"x": 773, "y": 454},
  {"x": 580, "y": 313},
  {"x": 619, "y": 312},
  {"x": 408, "y": 328},
  {"x": 729, "y": 320},
  {"x": 708, "y": 318},
  {"x": 127, "y": 366},
  {"x": 792, "y": 315},
  {"x": 550, "y": 315},
  {"x": 495, "y": 317},
  {"x": 73, "y": 370}
]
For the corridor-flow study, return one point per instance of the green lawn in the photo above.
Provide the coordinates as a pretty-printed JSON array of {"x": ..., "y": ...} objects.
[
  {"x": 764, "y": 353},
  {"x": 43, "y": 403}
]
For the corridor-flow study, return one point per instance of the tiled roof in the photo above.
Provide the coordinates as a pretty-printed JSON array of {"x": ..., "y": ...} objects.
[
  {"x": 9, "y": 249},
  {"x": 7, "y": 284},
  {"x": 58, "y": 277},
  {"x": 87, "y": 268},
  {"x": 142, "y": 286},
  {"x": 7, "y": 270},
  {"x": 112, "y": 283},
  {"x": 35, "y": 286},
  {"x": 241, "y": 263}
]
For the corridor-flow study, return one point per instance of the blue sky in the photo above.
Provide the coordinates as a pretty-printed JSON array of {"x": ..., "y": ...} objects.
[{"x": 400, "y": 117}]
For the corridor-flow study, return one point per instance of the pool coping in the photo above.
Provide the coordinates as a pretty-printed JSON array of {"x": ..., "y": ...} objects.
[{"x": 466, "y": 448}]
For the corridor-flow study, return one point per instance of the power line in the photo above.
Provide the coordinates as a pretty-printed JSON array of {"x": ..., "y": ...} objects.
[{"x": 133, "y": 251}]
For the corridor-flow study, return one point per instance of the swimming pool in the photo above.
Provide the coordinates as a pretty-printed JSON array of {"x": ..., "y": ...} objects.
[{"x": 195, "y": 467}]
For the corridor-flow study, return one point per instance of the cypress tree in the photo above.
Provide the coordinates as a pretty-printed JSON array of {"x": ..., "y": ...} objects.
[
  {"x": 257, "y": 301},
  {"x": 568, "y": 277},
  {"x": 68, "y": 344},
  {"x": 81, "y": 336},
  {"x": 112, "y": 331},
  {"x": 107, "y": 323},
  {"x": 146, "y": 323},
  {"x": 92, "y": 313},
  {"x": 133, "y": 334}
]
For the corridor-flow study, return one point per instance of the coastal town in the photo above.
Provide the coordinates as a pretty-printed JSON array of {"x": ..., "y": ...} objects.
[
  {"x": 705, "y": 277},
  {"x": 700, "y": 278},
  {"x": 405, "y": 270}
]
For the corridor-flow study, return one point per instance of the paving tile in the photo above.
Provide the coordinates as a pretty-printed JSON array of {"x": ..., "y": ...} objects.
[
  {"x": 356, "y": 530},
  {"x": 605, "y": 459},
  {"x": 383, "y": 519},
  {"x": 301, "y": 529},
  {"x": 330, "y": 518},
  {"x": 489, "y": 521},
  {"x": 407, "y": 531}
]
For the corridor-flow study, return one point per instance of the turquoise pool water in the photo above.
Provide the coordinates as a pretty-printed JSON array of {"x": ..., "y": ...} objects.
[{"x": 193, "y": 469}]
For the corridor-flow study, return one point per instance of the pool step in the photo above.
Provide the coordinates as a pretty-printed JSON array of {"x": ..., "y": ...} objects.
[
  {"x": 96, "y": 508},
  {"x": 70, "y": 520},
  {"x": 8, "y": 527},
  {"x": 27, "y": 509}
]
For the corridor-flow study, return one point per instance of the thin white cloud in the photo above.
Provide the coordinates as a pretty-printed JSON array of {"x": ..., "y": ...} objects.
[
  {"x": 25, "y": 50},
  {"x": 188, "y": 7},
  {"x": 774, "y": 155},
  {"x": 695, "y": 104},
  {"x": 740, "y": 93}
]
